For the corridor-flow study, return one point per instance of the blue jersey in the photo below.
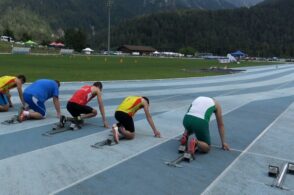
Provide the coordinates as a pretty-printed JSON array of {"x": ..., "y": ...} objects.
[{"x": 43, "y": 89}]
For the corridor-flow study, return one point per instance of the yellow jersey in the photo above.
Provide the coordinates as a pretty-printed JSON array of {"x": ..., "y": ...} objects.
[
  {"x": 6, "y": 83},
  {"x": 130, "y": 105}
]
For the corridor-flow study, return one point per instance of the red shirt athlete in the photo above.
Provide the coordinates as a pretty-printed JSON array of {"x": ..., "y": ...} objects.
[{"x": 77, "y": 105}]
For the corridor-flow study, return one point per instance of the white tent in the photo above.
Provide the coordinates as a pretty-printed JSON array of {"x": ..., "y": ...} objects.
[
  {"x": 231, "y": 58},
  {"x": 87, "y": 50}
]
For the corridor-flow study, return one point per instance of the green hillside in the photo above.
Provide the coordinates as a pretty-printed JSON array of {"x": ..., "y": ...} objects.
[
  {"x": 42, "y": 18},
  {"x": 264, "y": 30},
  {"x": 23, "y": 21}
]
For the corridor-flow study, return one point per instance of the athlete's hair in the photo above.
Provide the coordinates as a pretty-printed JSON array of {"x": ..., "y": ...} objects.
[
  {"x": 58, "y": 83},
  {"x": 146, "y": 99},
  {"x": 22, "y": 77},
  {"x": 98, "y": 84}
]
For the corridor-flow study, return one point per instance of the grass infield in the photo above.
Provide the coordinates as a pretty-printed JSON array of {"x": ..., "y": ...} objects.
[{"x": 92, "y": 68}]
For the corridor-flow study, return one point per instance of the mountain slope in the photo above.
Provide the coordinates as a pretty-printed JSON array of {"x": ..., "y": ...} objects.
[
  {"x": 91, "y": 15},
  {"x": 261, "y": 30},
  {"x": 245, "y": 3}
]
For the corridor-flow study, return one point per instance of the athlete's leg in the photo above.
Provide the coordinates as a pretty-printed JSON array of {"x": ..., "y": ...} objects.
[
  {"x": 37, "y": 111},
  {"x": 93, "y": 113},
  {"x": 4, "y": 105},
  {"x": 126, "y": 133},
  {"x": 125, "y": 126},
  {"x": 35, "y": 115},
  {"x": 203, "y": 136},
  {"x": 184, "y": 137},
  {"x": 201, "y": 130},
  {"x": 81, "y": 110},
  {"x": 203, "y": 146}
]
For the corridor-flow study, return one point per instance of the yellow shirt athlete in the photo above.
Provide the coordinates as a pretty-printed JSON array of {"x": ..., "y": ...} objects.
[
  {"x": 124, "y": 115},
  {"x": 131, "y": 105},
  {"x": 6, "y": 83},
  {"x": 9, "y": 82}
]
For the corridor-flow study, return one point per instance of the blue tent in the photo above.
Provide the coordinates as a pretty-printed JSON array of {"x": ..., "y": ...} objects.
[{"x": 238, "y": 54}]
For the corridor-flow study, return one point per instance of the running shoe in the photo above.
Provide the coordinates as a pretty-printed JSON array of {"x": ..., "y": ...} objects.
[
  {"x": 184, "y": 139},
  {"x": 192, "y": 146}
]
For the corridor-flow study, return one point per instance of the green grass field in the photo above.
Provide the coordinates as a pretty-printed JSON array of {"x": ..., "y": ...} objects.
[{"x": 90, "y": 68}]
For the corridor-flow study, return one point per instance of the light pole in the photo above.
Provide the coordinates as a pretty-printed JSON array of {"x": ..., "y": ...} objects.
[{"x": 108, "y": 4}]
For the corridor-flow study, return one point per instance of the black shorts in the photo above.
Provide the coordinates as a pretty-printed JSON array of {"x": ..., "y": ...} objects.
[
  {"x": 77, "y": 109},
  {"x": 125, "y": 120}
]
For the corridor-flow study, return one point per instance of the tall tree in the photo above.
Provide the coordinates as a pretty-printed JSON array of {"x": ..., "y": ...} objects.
[{"x": 75, "y": 39}]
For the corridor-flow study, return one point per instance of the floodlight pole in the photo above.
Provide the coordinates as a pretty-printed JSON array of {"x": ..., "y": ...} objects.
[{"x": 109, "y": 3}]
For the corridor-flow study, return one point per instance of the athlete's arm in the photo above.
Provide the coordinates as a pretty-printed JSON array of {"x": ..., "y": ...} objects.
[
  {"x": 101, "y": 108},
  {"x": 19, "y": 89},
  {"x": 149, "y": 119},
  {"x": 220, "y": 125},
  {"x": 9, "y": 99},
  {"x": 57, "y": 105}
]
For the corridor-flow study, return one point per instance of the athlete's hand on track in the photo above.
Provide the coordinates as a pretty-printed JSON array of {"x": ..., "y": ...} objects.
[
  {"x": 157, "y": 134},
  {"x": 106, "y": 124},
  {"x": 225, "y": 146}
]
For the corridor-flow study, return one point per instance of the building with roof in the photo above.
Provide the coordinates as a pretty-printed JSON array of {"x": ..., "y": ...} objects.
[{"x": 135, "y": 49}]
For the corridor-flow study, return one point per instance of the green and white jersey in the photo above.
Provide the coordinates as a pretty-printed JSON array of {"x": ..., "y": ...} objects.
[{"x": 202, "y": 107}]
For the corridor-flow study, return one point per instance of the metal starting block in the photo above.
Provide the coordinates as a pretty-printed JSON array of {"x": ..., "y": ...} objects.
[
  {"x": 183, "y": 157},
  {"x": 176, "y": 162},
  {"x": 57, "y": 128},
  {"x": 11, "y": 121},
  {"x": 182, "y": 148},
  {"x": 188, "y": 157},
  {"x": 280, "y": 176},
  {"x": 273, "y": 171},
  {"x": 107, "y": 142},
  {"x": 291, "y": 168}
]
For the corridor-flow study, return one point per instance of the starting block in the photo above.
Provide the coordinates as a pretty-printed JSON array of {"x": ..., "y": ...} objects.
[
  {"x": 12, "y": 120},
  {"x": 107, "y": 142},
  {"x": 182, "y": 148},
  {"x": 183, "y": 157},
  {"x": 188, "y": 157},
  {"x": 273, "y": 171},
  {"x": 280, "y": 176},
  {"x": 291, "y": 168}
]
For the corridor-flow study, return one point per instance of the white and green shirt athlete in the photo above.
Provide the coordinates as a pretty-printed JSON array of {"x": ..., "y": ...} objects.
[{"x": 197, "y": 119}]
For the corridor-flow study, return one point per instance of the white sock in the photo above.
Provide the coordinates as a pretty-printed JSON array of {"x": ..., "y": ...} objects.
[{"x": 26, "y": 113}]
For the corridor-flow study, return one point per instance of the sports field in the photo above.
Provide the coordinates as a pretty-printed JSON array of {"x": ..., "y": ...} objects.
[
  {"x": 89, "y": 68},
  {"x": 258, "y": 114}
]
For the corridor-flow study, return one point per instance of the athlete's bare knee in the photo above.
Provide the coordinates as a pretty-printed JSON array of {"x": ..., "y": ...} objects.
[
  {"x": 205, "y": 150},
  {"x": 128, "y": 135},
  {"x": 94, "y": 112},
  {"x": 203, "y": 147}
]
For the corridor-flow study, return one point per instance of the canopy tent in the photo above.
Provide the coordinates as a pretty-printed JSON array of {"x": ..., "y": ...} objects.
[
  {"x": 238, "y": 54},
  {"x": 87, "y": 50},
  {"x": 231, "y": 58},
  {"x": 30, "y": 43},
  {"x": 55, "y": 44},
  {"x": 59, "y": 45}
]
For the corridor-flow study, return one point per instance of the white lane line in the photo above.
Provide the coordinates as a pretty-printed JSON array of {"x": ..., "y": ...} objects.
[
  {"x": 245, "y": 151},
  {"x": 257, "y": 154}
]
